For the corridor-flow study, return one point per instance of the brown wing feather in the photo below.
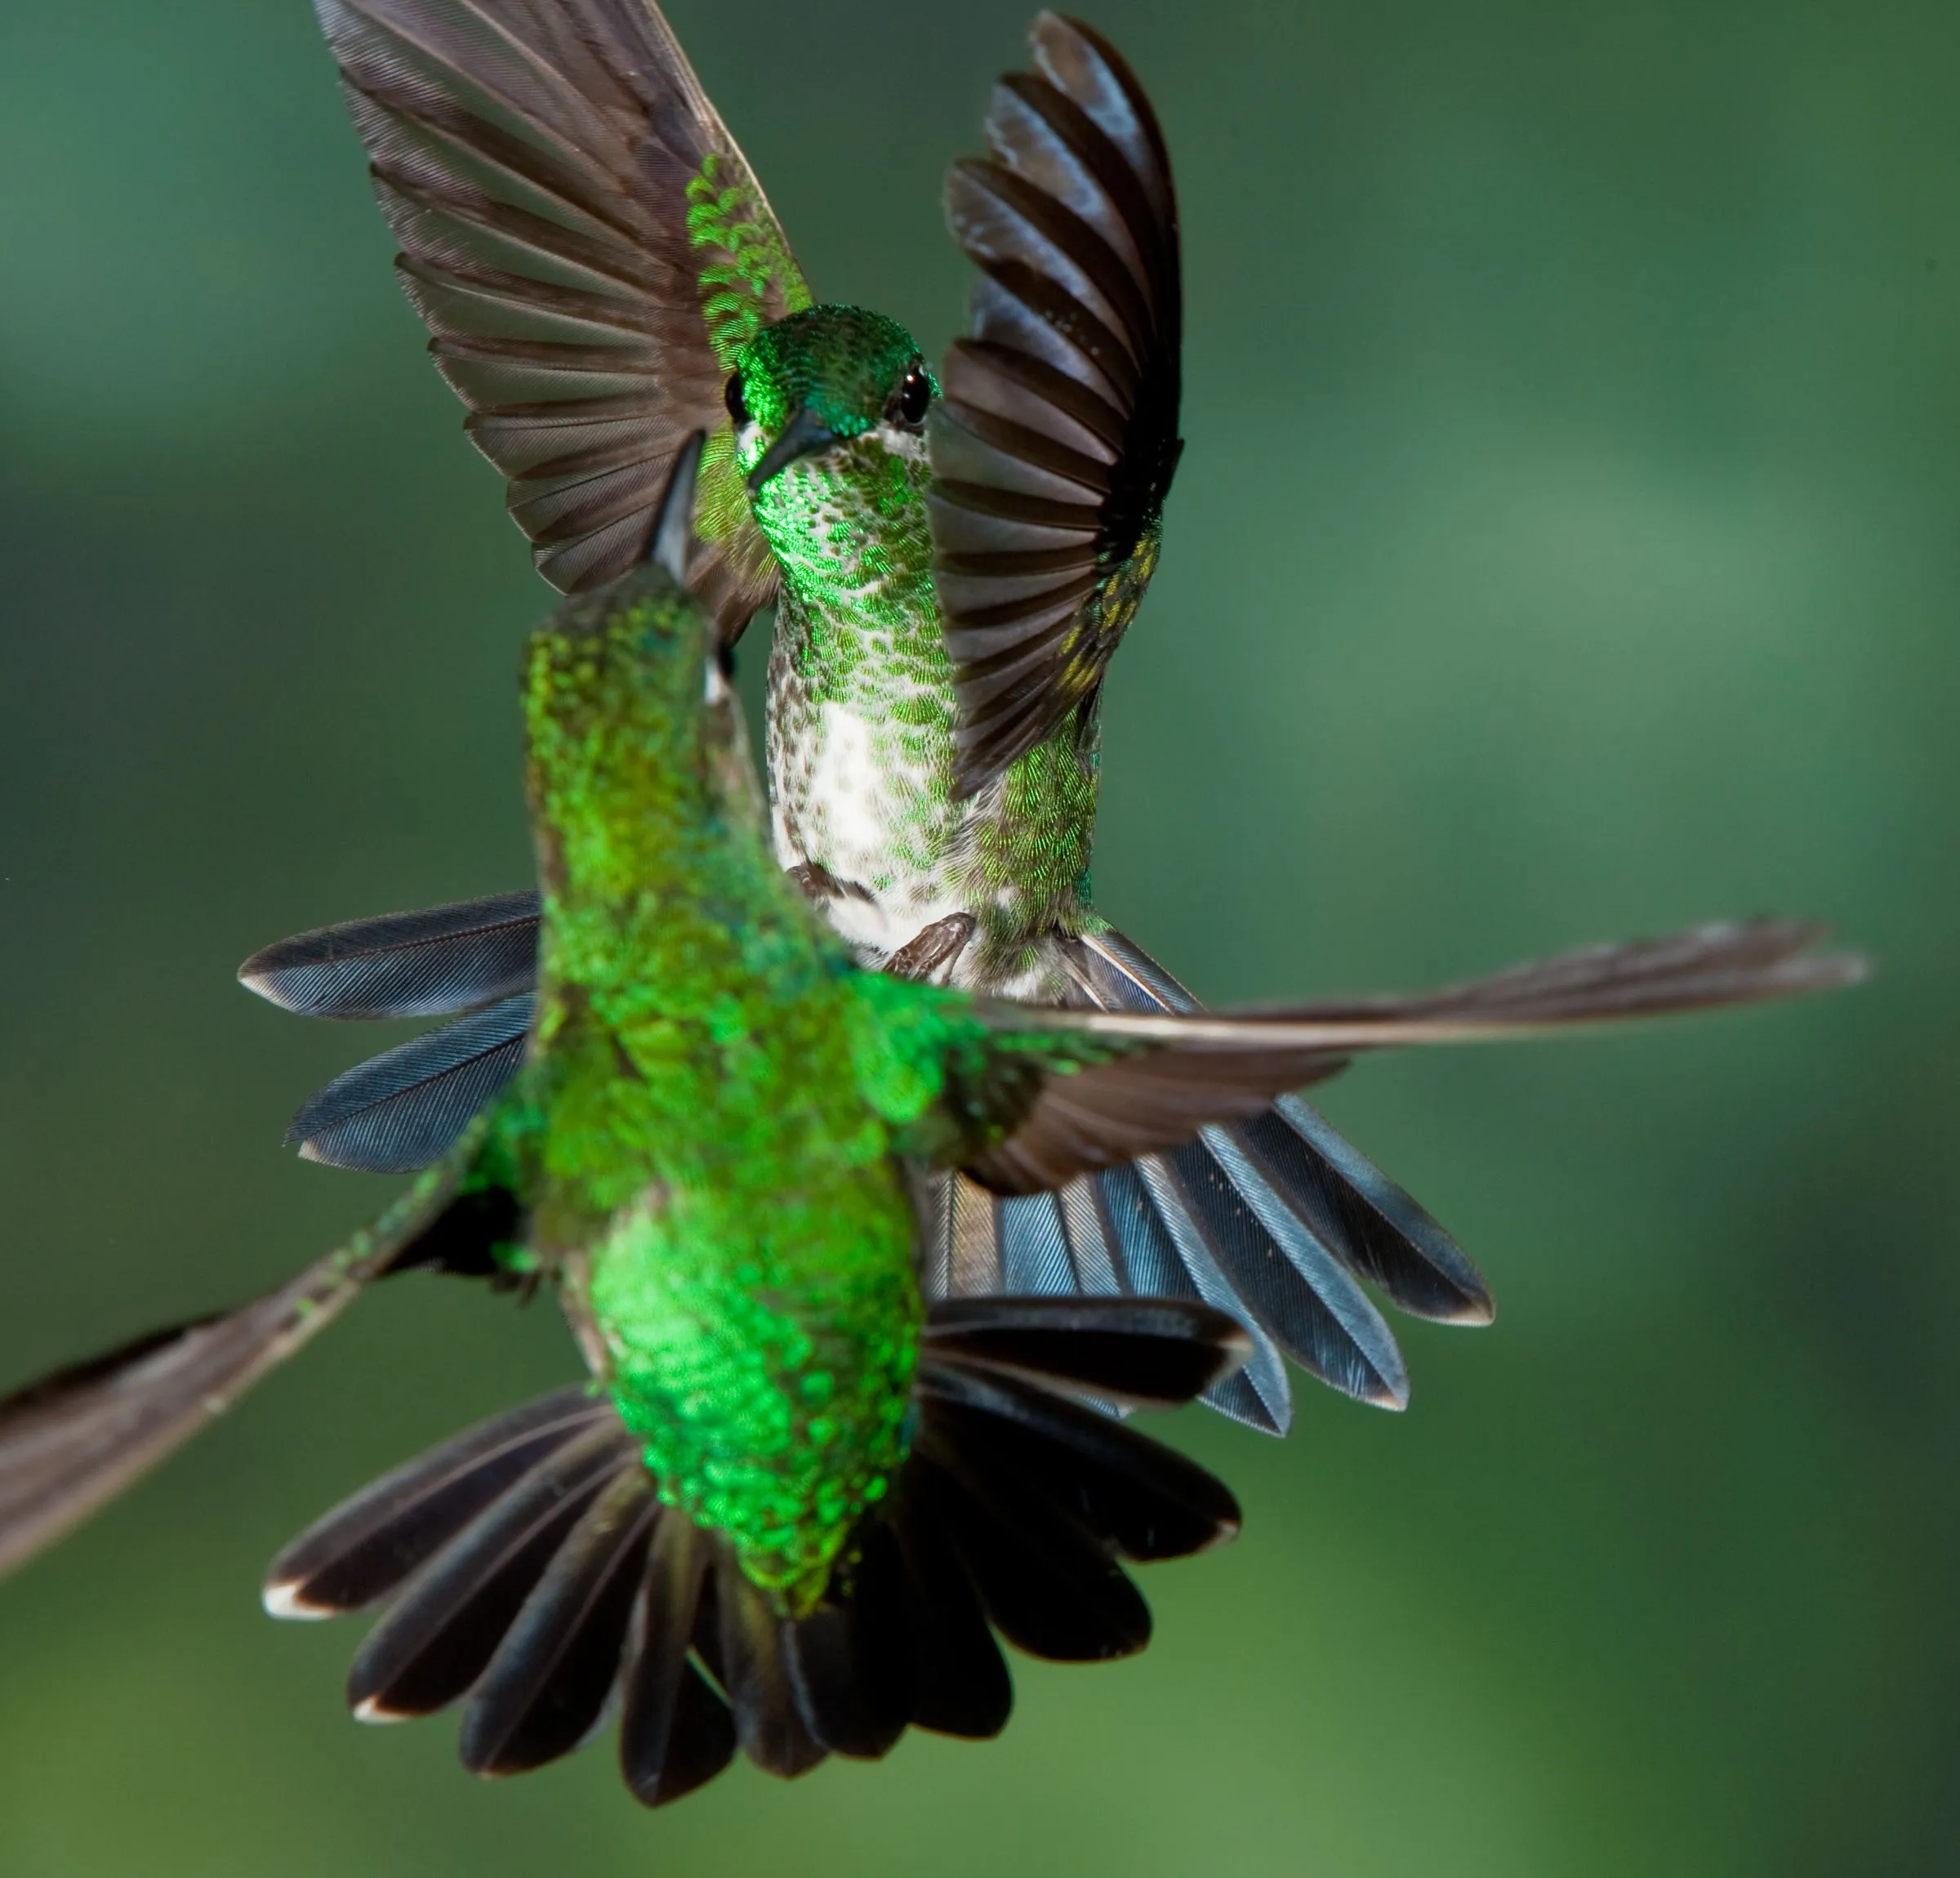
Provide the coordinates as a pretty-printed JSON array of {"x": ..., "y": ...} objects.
[
  {"x": 75, "y": 1439},
  {"x": 589, "y": 250},
  {"x": 1194, "y": 1070},
  {"x": 1056, "y": 439}
]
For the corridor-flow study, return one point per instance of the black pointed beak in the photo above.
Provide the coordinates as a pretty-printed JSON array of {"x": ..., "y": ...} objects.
[{"x": 802, "y": 436}]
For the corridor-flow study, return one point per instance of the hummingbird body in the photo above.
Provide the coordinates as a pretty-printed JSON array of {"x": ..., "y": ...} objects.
[
  {"x": 862, "y": 755},
  {"x": 729, "y": 1224}
]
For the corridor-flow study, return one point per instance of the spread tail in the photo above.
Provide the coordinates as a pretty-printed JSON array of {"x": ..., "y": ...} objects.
[
  {"x": 528, "y": 1569},
  {"x": 1276, "y": 1220}
]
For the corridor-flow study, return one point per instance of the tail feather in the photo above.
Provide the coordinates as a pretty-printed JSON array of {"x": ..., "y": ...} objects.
[
  {"x": 404, "y": 1109},
  {"x": 548, "y": 1684},
  {"x": 425, "y": 964},
  {"x": 1139, "y": 1496},
  {"x": 960, "y": 1685},
  {"x": 675, "y": 1731},
  {"x": 1155, "y": 1359},
  {"x": 536, "y": 1577},
  {"x": 755, "y": 1672},
  {"x": 1296, "y": 1290},
  {"x": 851, "y": 1661},
  {"x": 1382, "y": 1233},
  {"x": 1165, "y": 1255},
  {"x": 433, "y": 1644},
  {"x": 369, "y": 1546},
  {"x": 1047, "y": 1585},
  {"x": 1034, "y": 1248}
]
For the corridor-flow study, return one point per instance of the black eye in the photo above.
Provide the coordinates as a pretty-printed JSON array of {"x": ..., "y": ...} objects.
[
  {"x": 731, "y": 395},
  {"x": 909, "y": 402}
]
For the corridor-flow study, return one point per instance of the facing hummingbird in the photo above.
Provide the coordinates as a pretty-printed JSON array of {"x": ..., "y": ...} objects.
[
  {"x": 794, "y": 1502},
  {"x": 953, "y": 559}
]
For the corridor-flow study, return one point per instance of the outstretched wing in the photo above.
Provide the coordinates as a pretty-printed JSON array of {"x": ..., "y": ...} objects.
[
  {"x": 76, "y": 1439},
  {"x": 589, "y": 250},
  {"x": 1166, "y": 1075},
  {"x": 1055, "y": 440}
]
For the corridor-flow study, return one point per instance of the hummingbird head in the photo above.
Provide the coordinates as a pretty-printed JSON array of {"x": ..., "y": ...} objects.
[{"x": 829, "y": 376}]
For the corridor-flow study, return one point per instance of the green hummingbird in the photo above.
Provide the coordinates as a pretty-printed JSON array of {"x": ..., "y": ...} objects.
[
  {"x": 794, "y": 1502},
  {"x": 952, "y": 557}
]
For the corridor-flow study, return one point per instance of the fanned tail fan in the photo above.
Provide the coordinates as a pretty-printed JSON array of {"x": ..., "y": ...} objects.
[{"x": 528, "y": 1569}]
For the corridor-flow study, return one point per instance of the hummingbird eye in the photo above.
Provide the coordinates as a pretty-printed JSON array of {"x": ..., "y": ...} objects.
[
  {"x": 731, "y": 396},
  {"x": 909, "y": 402}
]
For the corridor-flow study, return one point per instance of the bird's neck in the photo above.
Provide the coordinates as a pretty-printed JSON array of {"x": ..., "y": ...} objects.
[{"x": 850, "y": 531}]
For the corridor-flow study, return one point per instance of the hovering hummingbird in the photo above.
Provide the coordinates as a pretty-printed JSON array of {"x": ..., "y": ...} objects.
[
  {"x": 953, "y": 559},
  {"x": 795, "y": 1500}
]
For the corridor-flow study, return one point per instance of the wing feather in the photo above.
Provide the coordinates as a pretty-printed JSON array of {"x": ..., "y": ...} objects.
[
  {"x": 1212, "y": 1068},
  {"x": 1060, "y": 408},
  {"x": 588, "y": 249}
]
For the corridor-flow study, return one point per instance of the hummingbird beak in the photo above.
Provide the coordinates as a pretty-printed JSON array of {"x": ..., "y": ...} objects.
[{"x": 803, "y": 436}]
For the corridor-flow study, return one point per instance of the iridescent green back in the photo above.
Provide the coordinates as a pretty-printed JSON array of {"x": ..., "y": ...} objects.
[{"x": 721, "y": 1196}]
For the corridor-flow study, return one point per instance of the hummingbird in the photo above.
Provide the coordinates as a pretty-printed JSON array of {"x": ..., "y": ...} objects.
[
  {"x": 952, "y": 556},
  {"x": 794, "y": 1500}
]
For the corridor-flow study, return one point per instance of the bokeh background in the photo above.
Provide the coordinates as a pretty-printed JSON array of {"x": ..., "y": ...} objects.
[{"x": 1567, "y": 547}]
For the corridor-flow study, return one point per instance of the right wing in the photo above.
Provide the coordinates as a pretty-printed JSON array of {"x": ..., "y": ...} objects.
[
  {"x": 1145, "y": 1081},
  {"x": 1054, "y": 444},
  {"x": 589, "y": 250}
]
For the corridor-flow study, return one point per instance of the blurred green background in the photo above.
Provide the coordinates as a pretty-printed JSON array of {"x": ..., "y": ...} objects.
[{"x": 1565, "y": 547}]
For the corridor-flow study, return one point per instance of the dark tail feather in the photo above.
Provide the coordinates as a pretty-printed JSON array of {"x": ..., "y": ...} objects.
[
  {"x": 439, "y": 1637},
  {"x": 547, "y": 1686},
  {"x": 533, "y": 1572},
  {"x": 404, "y": 1109},
  {"x": 369, "y": 1546},
  {"x": 1111, "y": 1234},
  {"x": 432, "y": 963},
  {"x": 675, "y": 1731}
]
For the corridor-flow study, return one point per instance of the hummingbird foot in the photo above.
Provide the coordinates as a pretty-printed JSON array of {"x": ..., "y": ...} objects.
[{"x": 931, "y": 953}]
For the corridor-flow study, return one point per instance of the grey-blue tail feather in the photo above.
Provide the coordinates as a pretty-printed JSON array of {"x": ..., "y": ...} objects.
[{"x": 1277, "y": 1221}]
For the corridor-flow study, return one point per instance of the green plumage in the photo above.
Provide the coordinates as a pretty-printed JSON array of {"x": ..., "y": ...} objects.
[
  {"x": 718, "y": 1194},
  {"x": 708, "y": 1137}
]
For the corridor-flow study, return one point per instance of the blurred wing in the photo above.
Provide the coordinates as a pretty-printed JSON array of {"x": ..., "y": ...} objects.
[
  {"x": 1055, "y": 440},
  {"x": 589, "y": 250},
  {"x": 76, "y": 1439},
  {"x": 1208, "y": 1068}
]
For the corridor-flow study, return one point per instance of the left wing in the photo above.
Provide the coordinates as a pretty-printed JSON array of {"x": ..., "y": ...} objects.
[
  {"x": 588, "y": 248},
  {"x": 74, "y": 1440},
  {"x": 1054, "y": 442},
  {"x": 1161, "y": 1076}
]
